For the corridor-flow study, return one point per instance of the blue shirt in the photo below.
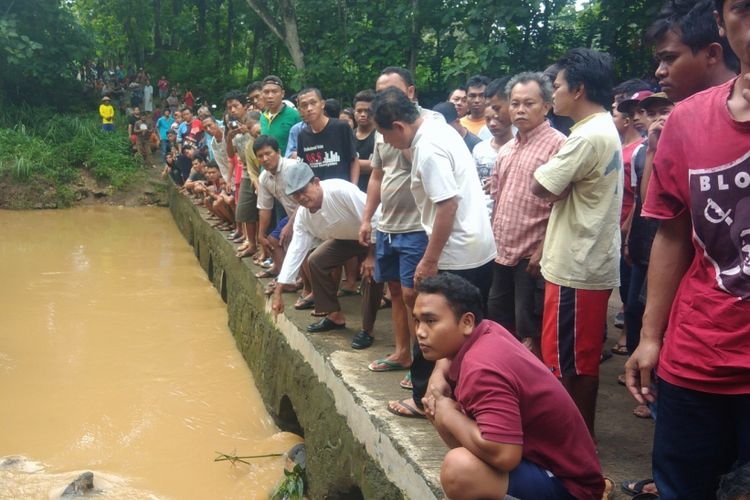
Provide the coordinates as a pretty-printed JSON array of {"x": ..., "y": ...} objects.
[
  {"x": 291, "y": 145},
  {"x": 164, "y": 125}
]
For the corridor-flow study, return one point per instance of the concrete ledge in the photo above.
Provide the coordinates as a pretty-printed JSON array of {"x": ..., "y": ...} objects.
[{"x": 318, "y": 385}]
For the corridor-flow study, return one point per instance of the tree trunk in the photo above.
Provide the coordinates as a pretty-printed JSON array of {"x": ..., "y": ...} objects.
[
  {"x": 157, "y": 26},
  {"x": 257, "y": 36},
  {"x": 414, "y": 38},
  {"x": 201, "y": 4},
  {"x": 229, "y": 35},
  {"x": 286, "y": 30},
  {"x": 172, "y": 32}
]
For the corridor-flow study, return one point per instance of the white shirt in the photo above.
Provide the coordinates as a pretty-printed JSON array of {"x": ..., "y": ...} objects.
[
  {"x": 443, "y": 168},
  {"x": 339, "y": 218},
  {"x": 219, "y": 149},
  {"x": 274, "y": 186}
]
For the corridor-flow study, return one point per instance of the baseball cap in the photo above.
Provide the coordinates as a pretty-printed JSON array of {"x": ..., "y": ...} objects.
[
  {"x": 105, "y": 98},
  {"x": 629, "y": 105},
  {"x": 448, "y": 110},
  {"x": 655, "y": 99},
  {"x": 274, "y": 80},
  {"x": 297, "y": 177}
]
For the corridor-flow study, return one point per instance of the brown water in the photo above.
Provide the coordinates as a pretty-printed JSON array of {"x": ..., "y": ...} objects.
[{"x": 115, "y": 357}]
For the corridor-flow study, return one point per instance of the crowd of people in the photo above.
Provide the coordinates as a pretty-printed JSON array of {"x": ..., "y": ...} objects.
[{"x": 495, "y": 227}]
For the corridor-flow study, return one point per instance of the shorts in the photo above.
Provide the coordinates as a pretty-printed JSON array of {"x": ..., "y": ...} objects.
[
  {"x": 573, "y": 329},
  {"x": 397, "y": 256},
  {"x": 529, "y": 480},
  {"x": 276, "y": 233},
  {"x": 247, "y": 206},
  {"x": 108, "y": 127}
]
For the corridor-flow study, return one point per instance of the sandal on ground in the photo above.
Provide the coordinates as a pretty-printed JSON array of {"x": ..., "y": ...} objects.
[
  {"x": 362, "y": 340},
  {"x": 609, "y": 489},
  {"x": 248, "y": 252},
  {"x": 605, "y": 355},
  {"x": 266, "y": 274},
  {"x": 343, "y": 292},
  {"x": 304, "y": 303},
  {"x": 620, "y": 349},
  {"x": 408, "y": 410},
  {"x": 406, "y": 382},
  {"x": 239, "y": 238},
  {"x": 642, "y": 411},
  {"x": 385, "y": 365},
  {"x": 316, "y": 314},
  {"x": 386, "y": 303},
  {"x": 621, "y": 379},
  {"x": 633, "y": 487}
]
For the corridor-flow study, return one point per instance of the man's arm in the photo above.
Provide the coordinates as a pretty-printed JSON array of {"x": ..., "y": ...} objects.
[
  {"x": 354, "y": 170},
  {"x": 264, "y": 220},
  {"x": 373, "y": 200},
  {"x": 445, "y": 215},
  {"x": 671, "y": 255}
]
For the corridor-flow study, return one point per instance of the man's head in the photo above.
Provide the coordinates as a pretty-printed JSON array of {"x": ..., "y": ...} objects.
[
  {"x": 212, "y": 128},
  {"x": 448, "y": 110},
  {"x": 171, "y": 135},
  {"x": 624, "y": 90},
  {"x": 475, "y": 96},
  {"x": 458, "y": 98},
  {"x": 311, "y": 105},
  {"x": 187, "y": 115},
  {"x": 363, "y": 108},
  {"x": 304, "y": 187},
  {"x": 585, "y": 76},
  {"x": 446, "y": 311},
  {"x": 199, "y": 163},
  {"x": 401, "y": 78},
  {"x": 496, "y": 95},
  {"x": 273, "y": 93},
  {"x": 255, "y": 96},
  {"x": 178, "y": 116},
  {"x": 530, "y": 99},
  {"x": 688, "y": 48},
  {"x": 136, "y": 111},
  {"x": 733, "y": 18},
  {"x": 631, "y": 108},
  {"x": 266, "y": 149},
  {"x": 166, "y": 113},
  {"x": 188, "y": 150},
  {"x": 657, "y": 106},
  {"x": 203, "y": 112},
  {"x": 235, "y": 101},
  {"x": 332, "y": 108},
  {"x": 395, "y": 116},
  {"x": 213, "y": 174}
]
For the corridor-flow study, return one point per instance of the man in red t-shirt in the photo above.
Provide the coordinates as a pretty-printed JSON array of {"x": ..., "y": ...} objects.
[
  {"x": 697, "y": 319},
  {"x": 511, "y": 426}
]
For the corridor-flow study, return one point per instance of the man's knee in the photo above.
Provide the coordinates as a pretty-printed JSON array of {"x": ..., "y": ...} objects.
[
  {"x": 457, "y": 472},
  {"x": 409, "y": 296}
]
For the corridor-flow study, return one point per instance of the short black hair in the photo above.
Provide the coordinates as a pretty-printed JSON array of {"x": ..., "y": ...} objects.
[
  {"x": 364, "y": 96},
  {"x": 460, "y": 87},
  {"x": 213, "y": 164},
  {"x": 252, "y": 87},
  {"x": 332, "y": 108},
  {"x": 404, "y": 73},
  {"x": 477, "y": 81},
  {"x": 199, "y": 157},
  {"x": 735, "y": 485},
  {"x": 695, "y": 23},
  {"x": 630, "y": 87},
  {"x": 497, "y": 87},
  {"x": 392, "y": 105},
  {"x": 236, "y": 95},
  {"x": 593, "y": 70},
  {"x": 265, "y": 140},
  {"x": 307, "y": 90},
  {"x": 462, "y": 296}
]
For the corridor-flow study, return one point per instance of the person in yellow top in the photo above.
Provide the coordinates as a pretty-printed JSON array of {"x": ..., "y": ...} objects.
[{"x": 107, "y": 112}]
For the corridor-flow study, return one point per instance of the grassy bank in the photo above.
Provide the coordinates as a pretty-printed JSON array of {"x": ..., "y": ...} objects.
[{"x": 46, "y": 158}]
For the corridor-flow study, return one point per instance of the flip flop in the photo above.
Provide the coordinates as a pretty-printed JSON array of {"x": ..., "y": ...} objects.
[
  {"x": 386, "y": 303},
  {"x": 609, "y": 489},
  {"x": 385, "y": 365},
  {"x": 411, "y": 411},
  {"x": 406, "y": 382},
  {"x": 619, "y": 349},
  {"x": 265, "y": 274},
  {"x": 343, "y": 292},
  {"x": 305, "y": 303},
  {"x": 637, "y": 486}
]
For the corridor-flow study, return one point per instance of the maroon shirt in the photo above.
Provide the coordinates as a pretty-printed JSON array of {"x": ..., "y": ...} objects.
[{"x": 515, "y": 399}]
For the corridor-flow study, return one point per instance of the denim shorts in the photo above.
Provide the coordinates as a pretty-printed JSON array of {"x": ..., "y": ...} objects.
[
  {"x": 529, "y": 480},
  {"x": 397, "y": 256}
]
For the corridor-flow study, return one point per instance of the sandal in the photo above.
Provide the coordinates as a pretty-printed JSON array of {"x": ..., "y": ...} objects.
[
  {"x": 343, "y": 292},
  {"x": 305, "y": 303},
  {"x": 406, "y": 382},
  {"x": 620, "y": 349},
  {"x": 386, "y": 303},
  {"x": 265, "y": 274},
  {"x": 409, "y": 410},
  {"x": 632, "y": 487},
  {"x": 248, "y": 252},
  {"x": 385, "y": 365}
]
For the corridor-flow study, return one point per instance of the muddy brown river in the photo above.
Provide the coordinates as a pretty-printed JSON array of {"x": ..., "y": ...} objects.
[{"x": 116, "y": 358}]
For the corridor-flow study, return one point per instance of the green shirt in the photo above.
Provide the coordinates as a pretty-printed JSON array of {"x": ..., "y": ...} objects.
[{"x": 279, "y": 126}]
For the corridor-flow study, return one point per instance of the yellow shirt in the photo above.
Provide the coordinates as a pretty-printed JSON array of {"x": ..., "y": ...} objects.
[
  {"x": 474, "y": 126},
  {"x": 582, "y": 244},
  {"x": 107, "y": 112}
]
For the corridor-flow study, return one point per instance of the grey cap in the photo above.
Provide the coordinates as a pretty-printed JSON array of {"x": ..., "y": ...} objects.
[{"x": 297, "y": 177}]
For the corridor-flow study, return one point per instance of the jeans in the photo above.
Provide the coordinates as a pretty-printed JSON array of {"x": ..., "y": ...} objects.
[{"x": 698, "y": 437}]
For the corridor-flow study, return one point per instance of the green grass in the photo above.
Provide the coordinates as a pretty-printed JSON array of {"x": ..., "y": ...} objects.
[{"x": 39, "y": 145}]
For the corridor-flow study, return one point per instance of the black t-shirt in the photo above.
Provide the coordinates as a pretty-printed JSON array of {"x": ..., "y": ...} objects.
[
  {"x": 329, "y": 152},
  {"x": 642, "y": 230},
  {"x": 365, "y": 148},
  {"x": 471, "y": 140},
  {"x": 184, "y": 165},
  {"x": 132, "y": 119}
]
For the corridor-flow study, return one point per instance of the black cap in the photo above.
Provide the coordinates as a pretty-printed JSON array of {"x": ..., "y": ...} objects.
[
  {"x": 448, "y": 110},
  {"x": 274, "y": 80}
]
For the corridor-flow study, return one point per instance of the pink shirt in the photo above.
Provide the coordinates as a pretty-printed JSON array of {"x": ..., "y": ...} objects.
[
  {"x": 515, "y": 399},
  {"x": 702, "y": 166},
  {"x": 520, "y": 219}
]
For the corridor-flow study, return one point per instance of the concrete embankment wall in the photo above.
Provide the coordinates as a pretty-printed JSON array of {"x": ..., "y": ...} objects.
[{"x": 349, "y": 452}]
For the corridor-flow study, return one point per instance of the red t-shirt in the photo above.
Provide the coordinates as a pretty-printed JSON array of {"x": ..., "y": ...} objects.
[
  {"x": 515, "y": 399},
  {"x": 628, "y": 193},
  {"x": 702, "y": 166},
  {"x": 188, "y": 99}
]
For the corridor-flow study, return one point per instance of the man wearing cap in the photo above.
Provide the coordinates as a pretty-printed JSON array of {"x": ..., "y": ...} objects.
[
  {"x": 107, "y": 112},
  {"x": 278, "y": 118},
  {"x": 330, "y": 211}
]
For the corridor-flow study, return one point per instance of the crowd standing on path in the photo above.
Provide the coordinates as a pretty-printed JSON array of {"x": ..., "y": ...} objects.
[{"x": 495, "y": 227}]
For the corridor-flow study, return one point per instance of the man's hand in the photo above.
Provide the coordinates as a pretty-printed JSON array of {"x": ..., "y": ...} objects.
[
  {"x": 365, "y": 233},
  {"x": 277, "y": 303},
  {"x": 264, "y": 241},
  {"x": 640, "y": 368},
  {"x": 368, "y": 267},
  {"x": 534, "y": 268},
  {"x": 437, "y": 382},
  {"x": 425, "y": 269},
  {"x": 654, "y": 132}
]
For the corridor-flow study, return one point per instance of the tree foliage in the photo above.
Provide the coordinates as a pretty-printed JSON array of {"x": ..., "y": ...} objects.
[{"x": 337, "y": 45}]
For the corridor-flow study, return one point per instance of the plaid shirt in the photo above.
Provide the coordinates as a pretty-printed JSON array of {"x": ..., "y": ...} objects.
[{"x": 520, "y": 218}]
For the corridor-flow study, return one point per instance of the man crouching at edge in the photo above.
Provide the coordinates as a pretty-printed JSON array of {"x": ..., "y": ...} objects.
[{"x": 511, "y": 426}]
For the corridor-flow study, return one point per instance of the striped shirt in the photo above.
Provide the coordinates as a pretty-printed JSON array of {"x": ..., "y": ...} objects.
[{"x": 520, "y": 219}]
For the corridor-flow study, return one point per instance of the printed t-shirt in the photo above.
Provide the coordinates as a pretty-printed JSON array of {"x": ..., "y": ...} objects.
[
  {"x": 329, "y": 152},
  {"x": 707, "y": 174},
  {"x": 485, "y": 156},
  {"x": 278, "y": 125},
  {"x": 582, "y": 243},
  {"x": 629, "y": 179},
  {"x": 442, "y": 168},
  {"x": 514, "y": 399},
  {"x": 474, "y": 126},
  {"x": 365, "y": 148}
]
